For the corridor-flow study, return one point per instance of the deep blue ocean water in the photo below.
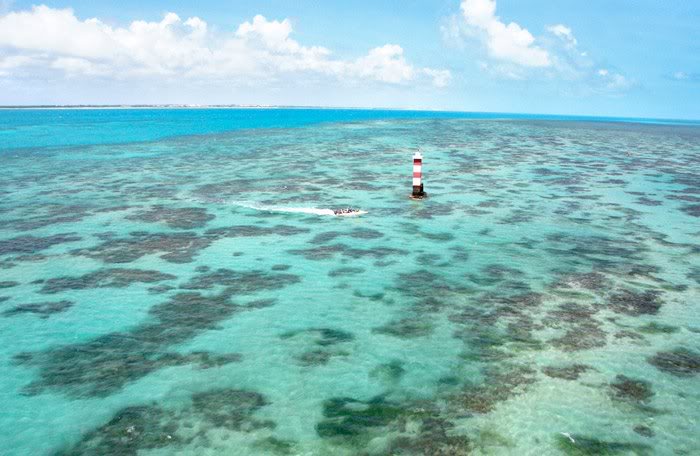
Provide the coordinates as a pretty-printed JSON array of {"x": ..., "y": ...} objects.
[
  {"x": 21, "y": 128},
  {"x": 171, "y": 282}
]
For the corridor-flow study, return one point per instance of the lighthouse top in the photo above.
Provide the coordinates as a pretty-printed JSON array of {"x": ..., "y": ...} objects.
[{"x": 417, "y": 156}]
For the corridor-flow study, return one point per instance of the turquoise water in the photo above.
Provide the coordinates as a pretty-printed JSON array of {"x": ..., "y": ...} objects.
[
  {"x": 22, "y": 128},
  {"x": 171, "y": 283}
]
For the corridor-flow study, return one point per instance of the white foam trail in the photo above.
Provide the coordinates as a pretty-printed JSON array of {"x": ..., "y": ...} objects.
[
  {"x": 566, "y": 434},
  {"x": 259, "y": 207},
  {"x": 298, "y": 210}
]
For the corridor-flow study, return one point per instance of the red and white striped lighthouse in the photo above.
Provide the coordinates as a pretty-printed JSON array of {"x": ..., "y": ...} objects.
[{"x": 418, "y": 192}]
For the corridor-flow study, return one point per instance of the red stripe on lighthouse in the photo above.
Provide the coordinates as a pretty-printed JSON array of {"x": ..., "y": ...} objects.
[{"x": 417, "y": 176}]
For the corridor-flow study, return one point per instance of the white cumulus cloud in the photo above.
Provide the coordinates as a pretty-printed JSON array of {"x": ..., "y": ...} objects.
[
  {"x": 258, "y": 51},
  {"x": 386, "y": 64},
  {"x": 612, "y": 80},
  {"x": 684, "y": 76},
  {"x": 564, "y": 33},
  {"x": 512, "y": 52},
  {"x": 506, "y": 42},
  {"x": 441, "y": 78}
]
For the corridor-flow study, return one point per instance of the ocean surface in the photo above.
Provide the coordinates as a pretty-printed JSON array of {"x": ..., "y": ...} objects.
[{"x": 171, "y": 282}]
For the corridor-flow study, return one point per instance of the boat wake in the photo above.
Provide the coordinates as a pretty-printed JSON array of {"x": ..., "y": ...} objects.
[
  {"x": 263, "y": 207},
  {"x": 298, "y": 210}
]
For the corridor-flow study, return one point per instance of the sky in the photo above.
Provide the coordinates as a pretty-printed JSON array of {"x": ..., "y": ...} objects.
[{"x": 628, "y": 58}]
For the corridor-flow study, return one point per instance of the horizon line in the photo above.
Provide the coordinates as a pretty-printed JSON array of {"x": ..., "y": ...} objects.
[{"x": 357, "y": 108}]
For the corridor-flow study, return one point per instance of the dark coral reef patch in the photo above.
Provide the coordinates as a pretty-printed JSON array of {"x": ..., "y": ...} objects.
[
  {"x": 581, "y": 337},
  {"x": 680, "y": 362},
  {"x": 630, "y": 390},
  {"x": 179, "y": 247},
  {"x": 324, "y": 252},
  {"x": 600, "y": 251},
  {"x": 53, "y": 214},
  {"x": 658, "y": 328},
  {"x": 579, "y": 445},
  {"x": 254, "y": 231},
  {"x": 500, "y": 384},
  {"x": 322, "y": 336},
  {"x": 42, "y": 309},
  {"x": 406, "y": 328},
  {"x": 644, "y": 430},
  {"x": 571, "y": 372},
  {"x": 345, "y": 271},
  {"x": 104, "y": 278},
  {"x": 582, "y": 330},
  {"x": 323, "y": 341},
  {"x": 389, "y": 373},
  {"x": 182, "y": 218},
  {"x": 273, "y": 445},
  {"x": 635, "y": 304},
  {"x": 435, "y": 437},
  {"x": 132, "y": 429},
  {"x": 358, "y": 233},
  {"x": 139, "y": 428},
  {"x": 692, "y": 210},
  {"x": 590, "y": 281},
  {"x": 241, "y": 282},
  {"x": 347, "y": 417},
  {"x": 34, "y": 244},
  {"x": 171, "y": 247},
  {"x": 102, "y": 366},
  {"x": 231, "y": 409}
]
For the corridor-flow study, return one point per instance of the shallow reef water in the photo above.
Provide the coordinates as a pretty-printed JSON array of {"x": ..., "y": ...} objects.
[{"x": 192, "y": 295}]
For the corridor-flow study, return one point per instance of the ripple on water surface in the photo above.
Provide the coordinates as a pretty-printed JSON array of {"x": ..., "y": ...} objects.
[{"x": 193, "y": 295}]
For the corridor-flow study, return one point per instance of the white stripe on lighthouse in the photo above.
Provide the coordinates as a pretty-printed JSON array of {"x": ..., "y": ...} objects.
[{"x": 417, "y": 169}]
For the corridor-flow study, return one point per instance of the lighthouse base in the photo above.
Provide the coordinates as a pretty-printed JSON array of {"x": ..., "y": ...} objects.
[{"x": 418, "y": 192}]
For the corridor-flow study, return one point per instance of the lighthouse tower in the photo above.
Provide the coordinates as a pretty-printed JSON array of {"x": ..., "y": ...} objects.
[{"x": 418, "y": 192}]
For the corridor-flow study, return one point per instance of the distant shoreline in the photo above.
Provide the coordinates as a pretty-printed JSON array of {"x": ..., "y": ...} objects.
[{"x": 184, "y": 106}]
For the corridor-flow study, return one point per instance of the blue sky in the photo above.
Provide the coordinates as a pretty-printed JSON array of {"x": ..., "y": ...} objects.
[{"x": 636, "y": 58}]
